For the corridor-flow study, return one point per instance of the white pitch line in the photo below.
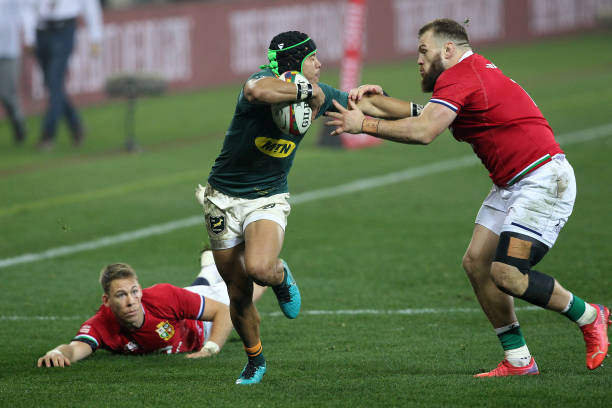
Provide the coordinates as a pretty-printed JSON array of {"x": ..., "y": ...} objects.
[
  {"x": 356, "y": 312},
  {"x": 320, "y": 194}
]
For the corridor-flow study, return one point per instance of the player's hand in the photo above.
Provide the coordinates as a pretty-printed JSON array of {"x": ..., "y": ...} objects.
[
  {"x": 200, "y": 354},
  {"x": 356, "y": 94},
  {"x": 316, "y": 100},
  {"x": 208, "y": 350},
  {"x": 345, "y": 120},
  {"x": 53, "y": 358}
]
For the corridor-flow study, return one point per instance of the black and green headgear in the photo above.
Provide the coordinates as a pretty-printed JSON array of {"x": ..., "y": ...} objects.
[{"x": 288, "y": 51}]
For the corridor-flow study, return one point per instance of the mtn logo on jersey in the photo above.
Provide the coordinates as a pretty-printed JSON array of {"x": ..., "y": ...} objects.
[
  {"x": 275, "y": 147},
  {"x": 165, "y": 330}
]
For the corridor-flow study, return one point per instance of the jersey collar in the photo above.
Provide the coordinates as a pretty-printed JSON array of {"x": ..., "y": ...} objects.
[{"x": 465, "y": 55}]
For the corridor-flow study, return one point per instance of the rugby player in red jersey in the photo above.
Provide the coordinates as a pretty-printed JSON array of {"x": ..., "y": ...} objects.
[
  {"x": 163, "y": 318},
  {"x": 533, "y": 190}
]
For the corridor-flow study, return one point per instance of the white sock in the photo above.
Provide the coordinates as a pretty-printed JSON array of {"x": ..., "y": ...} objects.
[
  {"x": 211, "y": 274},
  {"x": 519, "y": 357},
  {"x": 589, "y": 315}
]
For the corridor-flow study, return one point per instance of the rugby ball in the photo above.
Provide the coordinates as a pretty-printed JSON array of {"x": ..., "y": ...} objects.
[{"x": 292, "y": 118}]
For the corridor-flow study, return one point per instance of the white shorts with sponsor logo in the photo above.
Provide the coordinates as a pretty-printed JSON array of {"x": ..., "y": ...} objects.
[
  {"x": 538, "y": 205},
  {"x": 227, "y": 217}
]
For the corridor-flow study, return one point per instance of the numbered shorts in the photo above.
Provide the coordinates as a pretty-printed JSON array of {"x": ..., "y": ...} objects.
[
  {"x": 538, "y": 205},
  {"x": 227, "y": 217}
]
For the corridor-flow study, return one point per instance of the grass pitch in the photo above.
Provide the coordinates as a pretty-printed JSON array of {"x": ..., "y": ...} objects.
[{"x": 389, "y": 318}]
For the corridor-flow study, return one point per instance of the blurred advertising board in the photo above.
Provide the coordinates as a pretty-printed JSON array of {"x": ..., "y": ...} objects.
[{"x": 203, "y": 44}]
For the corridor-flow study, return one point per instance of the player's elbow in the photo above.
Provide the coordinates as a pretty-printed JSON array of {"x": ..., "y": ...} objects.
[
  {"x": 254, "y": 91},
  {"x": 427, "y": 131},
  {"x": 250, "y": 92},
  {"x": 423, "y": 136},
  {"x": 428, "y": 138}
]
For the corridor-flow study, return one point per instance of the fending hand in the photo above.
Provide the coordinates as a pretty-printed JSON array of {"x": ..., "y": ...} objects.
[
  {"x": 356, "y": 94},
  {"x": 345, "y": 120}
]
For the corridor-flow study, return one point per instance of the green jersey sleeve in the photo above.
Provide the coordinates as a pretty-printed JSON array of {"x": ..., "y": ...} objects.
[{"x": 330, "y": 94}]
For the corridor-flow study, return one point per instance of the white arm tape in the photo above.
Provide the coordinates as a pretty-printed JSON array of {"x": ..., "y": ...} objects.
[{"x": 212, "y": 347}]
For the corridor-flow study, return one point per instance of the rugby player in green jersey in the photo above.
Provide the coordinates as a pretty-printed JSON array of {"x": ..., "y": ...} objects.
[{"x": 245, "y": 200}]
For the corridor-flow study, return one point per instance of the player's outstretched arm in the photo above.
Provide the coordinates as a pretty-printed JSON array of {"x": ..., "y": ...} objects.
[
  {"x": 372, "y": 101},
  {"x": 217, "y": 313},
  {"x": 422, "y": 129},
  {"x": 387, "y": 107},
  {"x": 65, "y": 354}
]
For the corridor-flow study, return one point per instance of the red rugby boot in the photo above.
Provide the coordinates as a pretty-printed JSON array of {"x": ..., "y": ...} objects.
[
  {"x": 596, "y": 337},
  {"x": 505, "y": 369}
]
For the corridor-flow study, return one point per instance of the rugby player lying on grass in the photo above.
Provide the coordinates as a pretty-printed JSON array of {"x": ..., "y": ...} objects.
[{"x": 163, "y": 318}]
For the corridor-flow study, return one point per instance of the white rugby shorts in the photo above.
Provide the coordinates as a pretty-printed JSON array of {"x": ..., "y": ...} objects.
[
  {"x": 227, "y": 217},
  {"x": 538, "y": 205},
  {"x": 216, "y": 291}
]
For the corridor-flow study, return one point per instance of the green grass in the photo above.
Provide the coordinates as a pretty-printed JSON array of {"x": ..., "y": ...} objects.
[{"x": 391, "y": 248}]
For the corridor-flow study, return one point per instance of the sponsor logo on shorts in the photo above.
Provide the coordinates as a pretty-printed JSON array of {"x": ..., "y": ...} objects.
[
  {"x": 216, "y": 224},
  {"x": 267, "y": 207},
  {"x": 165, "y": 330},
  {"x": 275, "y": 147}
]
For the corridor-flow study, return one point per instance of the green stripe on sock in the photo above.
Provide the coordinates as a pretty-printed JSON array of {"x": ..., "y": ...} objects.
[
  {"x": 512, "y": 339},
  {"x": 576, "y": 310}
]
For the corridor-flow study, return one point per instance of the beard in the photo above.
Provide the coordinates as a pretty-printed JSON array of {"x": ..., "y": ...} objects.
[{"x": 431, "y": 76}]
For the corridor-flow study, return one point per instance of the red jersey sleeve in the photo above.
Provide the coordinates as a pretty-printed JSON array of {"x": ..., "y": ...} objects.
[
  {"x": 94, "y": 330},
  {"x": 452, "y": 92},
  {"x": 173, "y": 302}
]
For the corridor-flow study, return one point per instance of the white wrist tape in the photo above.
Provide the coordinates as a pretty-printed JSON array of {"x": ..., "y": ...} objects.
[
  {"x": 303, "y": 91},
  {"x": 212, "y": 347}
]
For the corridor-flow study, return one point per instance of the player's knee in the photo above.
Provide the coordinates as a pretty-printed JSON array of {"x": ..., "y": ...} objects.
[
  {"x": 522, "y": 252},
  {"x": 262, "y": 271},
  {"x": 474, "y": 267},
  {"x": 507, "y": 278}
]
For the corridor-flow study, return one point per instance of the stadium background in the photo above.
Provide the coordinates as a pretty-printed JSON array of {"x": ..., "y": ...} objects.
[{"x": 376, "y": 235}]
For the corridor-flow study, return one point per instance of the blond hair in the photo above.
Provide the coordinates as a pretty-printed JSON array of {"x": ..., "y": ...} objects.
[{"x": 115, "y": 271}]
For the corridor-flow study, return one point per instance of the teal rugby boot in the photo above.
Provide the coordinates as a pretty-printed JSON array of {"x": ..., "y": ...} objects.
[
  {"x": 252, "y": 373},
  {"x": 288, "y": 294}
]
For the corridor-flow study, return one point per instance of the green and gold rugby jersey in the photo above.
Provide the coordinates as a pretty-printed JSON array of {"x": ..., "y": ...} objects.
[{"x": 256, "y": 156}]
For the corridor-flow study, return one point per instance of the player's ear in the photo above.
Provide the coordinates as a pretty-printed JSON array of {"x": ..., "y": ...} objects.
[
  {"x": 105, "y": 299},
  {"x": 449, "y": 49}
]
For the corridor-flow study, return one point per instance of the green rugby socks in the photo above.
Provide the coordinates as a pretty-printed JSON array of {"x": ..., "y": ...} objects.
[
  {"x": 514, "y": 345},
  {"x": 577, "y": 310}
]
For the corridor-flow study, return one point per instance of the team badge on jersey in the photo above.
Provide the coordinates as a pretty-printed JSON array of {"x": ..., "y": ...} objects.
[
  {"x": 165, "y": 330},
  {"x": 216, "y": 224}
]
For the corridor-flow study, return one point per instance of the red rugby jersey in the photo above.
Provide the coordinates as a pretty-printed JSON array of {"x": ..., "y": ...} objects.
[
  {"x": 497, "y": 117},
  {"x": 171, "y": 324}
]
